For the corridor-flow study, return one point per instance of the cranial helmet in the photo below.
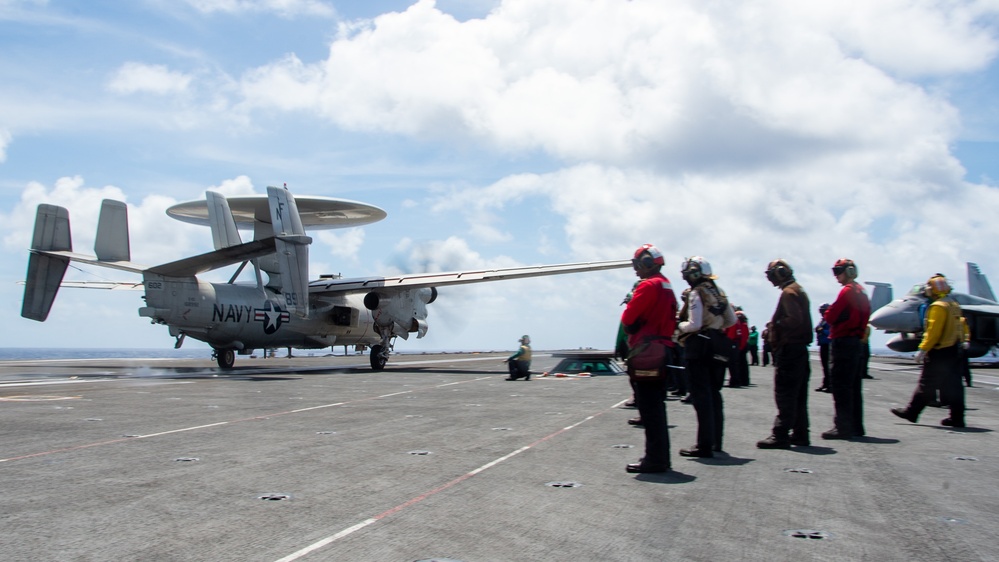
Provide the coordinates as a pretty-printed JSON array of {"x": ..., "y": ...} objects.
[
  {"x": 823, "y": 307},
  {"x": 647, "y": 257},
  {"x": 696, "y": 267},
  {"x": 937, "y": 287},
  {"x": 526, "y": 339},
  {"x": 844, "y": 265},
  {"x": 778, "y": 271}
]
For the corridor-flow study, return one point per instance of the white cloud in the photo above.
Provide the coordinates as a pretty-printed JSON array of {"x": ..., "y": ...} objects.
[
  {"x": 343, "y": 245},
  {"x": 154, "y": 238},
  {"x": 240, "y": 185},
  {"x": 649, "y": 83},
  {"x": 5, "y": 138},
  {"x": 284, "y": 8},
  {"x": 133, "y": 77}
]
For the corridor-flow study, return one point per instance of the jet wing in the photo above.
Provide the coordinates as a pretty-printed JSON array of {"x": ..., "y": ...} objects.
[
  {"x": 982, "y": 309},
  {"x": 419, "y": 280}
]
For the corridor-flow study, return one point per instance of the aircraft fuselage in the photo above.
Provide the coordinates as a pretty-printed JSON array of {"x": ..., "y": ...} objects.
[{"x": 246, "y": 317}]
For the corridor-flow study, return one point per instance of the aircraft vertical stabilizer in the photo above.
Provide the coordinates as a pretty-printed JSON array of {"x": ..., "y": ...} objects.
[
  {"x": 881, "y": 295},
  {"x": 224, "y": 231},
  {"x": 292, "y": 250},
  {"x": 978, "y": 284},
  {"x": 45, "y": 272},
  {"x": 112, "y": 232}
]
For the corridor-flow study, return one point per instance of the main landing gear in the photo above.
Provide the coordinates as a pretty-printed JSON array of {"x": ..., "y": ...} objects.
[{"x": 225, "y": 358}]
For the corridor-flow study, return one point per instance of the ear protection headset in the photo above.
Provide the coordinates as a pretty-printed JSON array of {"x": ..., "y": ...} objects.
[
  {"x": 779, "y": 271},
  {"x": 645, "y": 260},
  {"x": 844, "y": 265},
  {"x": 691, "y": 270},
  {"x": 647, "y": 257}
]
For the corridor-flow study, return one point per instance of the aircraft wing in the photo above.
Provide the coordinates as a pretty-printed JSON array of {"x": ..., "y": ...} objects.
[
  {"x": 419, "y": 280},
  {"x": 982, "y": 309}
]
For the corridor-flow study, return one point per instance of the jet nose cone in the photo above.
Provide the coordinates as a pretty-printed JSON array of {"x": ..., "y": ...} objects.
[{"x": 896, "y": 318}]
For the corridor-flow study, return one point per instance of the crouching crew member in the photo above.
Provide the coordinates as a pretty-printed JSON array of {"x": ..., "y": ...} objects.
[
  {"x": 650, "y": 321},
  {"x": 708, "y": 314},
  {"x": 520, "y": 363},
  {"x": 790, "y": 332},
  {"x": 939, "y": 352}
]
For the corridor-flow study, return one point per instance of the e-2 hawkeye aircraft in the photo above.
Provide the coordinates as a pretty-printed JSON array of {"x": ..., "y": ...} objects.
[
  {"x": 905, "y": 316},
  {"x": 285, "y": 311}
]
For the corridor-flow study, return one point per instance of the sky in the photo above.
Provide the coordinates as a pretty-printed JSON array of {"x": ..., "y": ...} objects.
[{"x": 500, "y": 133}]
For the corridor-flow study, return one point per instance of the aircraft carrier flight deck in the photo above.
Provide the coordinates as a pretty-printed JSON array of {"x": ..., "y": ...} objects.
[{"x": 439, "y": 458}]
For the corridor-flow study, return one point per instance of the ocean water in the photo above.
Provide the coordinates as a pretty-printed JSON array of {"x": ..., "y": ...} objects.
[{"x": 29, "y": 353}]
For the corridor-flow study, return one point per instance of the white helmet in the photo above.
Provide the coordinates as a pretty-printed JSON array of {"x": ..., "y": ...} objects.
[{"x": 696, "y": 267}]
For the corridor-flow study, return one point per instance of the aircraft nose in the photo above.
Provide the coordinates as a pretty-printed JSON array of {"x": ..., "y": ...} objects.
[{"x": 894, "y": 318}]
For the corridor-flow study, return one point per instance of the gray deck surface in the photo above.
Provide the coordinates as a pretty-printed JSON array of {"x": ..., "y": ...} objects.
[{"x": 438, "y": 457}]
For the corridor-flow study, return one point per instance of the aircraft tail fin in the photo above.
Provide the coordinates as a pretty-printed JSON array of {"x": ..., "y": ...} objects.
[
  {"x": 978, "y": 284},
  {"x": 224, "y": 231},
  {"x": 881, "y": 295},
  {"x": 45, "y": 271},
  {"x": 111, "y": 243},
  {"x": 292, "y": 250}
]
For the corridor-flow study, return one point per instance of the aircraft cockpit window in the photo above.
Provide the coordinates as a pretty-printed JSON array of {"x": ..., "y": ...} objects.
[{"x": 917, "y": 289}]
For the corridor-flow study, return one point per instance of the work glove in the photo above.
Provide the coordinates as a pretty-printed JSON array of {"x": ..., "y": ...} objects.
[{"x": 920, "y": 356}]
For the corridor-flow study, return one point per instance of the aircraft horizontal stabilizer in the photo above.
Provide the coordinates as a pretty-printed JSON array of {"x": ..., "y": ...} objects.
[
  {"x": 104, "y": 285},
  {"x": 194, "y": 265}
]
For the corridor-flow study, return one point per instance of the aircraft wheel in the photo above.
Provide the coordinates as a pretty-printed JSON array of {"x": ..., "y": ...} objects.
[
  {"x": 378, "y": 360},
  {"x": 225, "y": 358}
]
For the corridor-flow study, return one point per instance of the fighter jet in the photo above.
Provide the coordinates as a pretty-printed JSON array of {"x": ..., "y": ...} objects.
[
  {"x": 286, "y": 310},
  {"x": 906, "y": 316}
]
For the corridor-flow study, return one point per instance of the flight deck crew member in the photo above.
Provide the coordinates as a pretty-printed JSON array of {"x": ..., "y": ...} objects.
[
  {"x": 791, "y": 333},
  {"x": 754, "y": 346},
  {"x": 822, "y": 338},
  {"x": 740, "y": 316},
  {"x": 520, "y": 363},
  {"x": 939, "y": 352},
  {"x": 738, "y": 369},
  {"x": 708, "y": 314},
  {"x": 766, "y": 345},
  {"x": 847, "y": 317},
  {"x": 650, "y": 320}
]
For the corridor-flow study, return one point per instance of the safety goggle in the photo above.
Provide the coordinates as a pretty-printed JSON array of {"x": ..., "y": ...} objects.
[{"x": 839, "y": 269}]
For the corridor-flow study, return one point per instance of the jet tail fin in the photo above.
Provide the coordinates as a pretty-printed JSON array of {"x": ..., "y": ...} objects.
[
  {"x": 881, "y": 295},
  {"x": 292, "y": 250},
  {"x": 111, "y": 243},
  {"x": 978, "y": 284},
  {"x": 45, "y": 271},
  {"x": 224, "y": 231}
]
